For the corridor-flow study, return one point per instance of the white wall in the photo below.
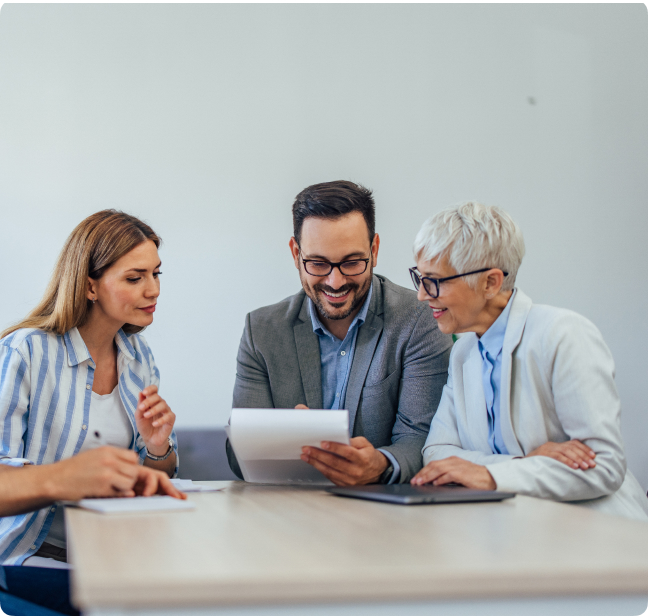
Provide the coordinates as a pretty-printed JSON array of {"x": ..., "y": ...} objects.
[{"x": 206, "y": 120}]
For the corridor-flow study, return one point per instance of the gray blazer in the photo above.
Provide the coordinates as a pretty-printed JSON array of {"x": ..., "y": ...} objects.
[{"x": 400, "y": 366}]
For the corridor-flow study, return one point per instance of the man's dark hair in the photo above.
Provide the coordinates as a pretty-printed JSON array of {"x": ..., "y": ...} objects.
[{"x": 333, "y": 200}]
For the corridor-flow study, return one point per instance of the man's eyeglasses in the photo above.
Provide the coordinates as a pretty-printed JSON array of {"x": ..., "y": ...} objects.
[
  {"x": 431, "y": 285},
  {"x": 354, "y": 267}
]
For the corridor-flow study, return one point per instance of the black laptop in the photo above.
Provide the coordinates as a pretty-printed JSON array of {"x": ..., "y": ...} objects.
[{"x": 407, "y": 494}]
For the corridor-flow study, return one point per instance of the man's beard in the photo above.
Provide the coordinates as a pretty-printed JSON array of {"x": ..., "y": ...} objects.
[{"x": 315, "y": 293}]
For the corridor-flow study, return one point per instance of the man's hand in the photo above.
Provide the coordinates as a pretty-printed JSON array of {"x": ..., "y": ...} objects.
[
  {"x": 572, "y": 453},
  {"x": 347, "y": 465},
  {"x": 106, "y": 471},
  {"x": 455, "y": 470}
]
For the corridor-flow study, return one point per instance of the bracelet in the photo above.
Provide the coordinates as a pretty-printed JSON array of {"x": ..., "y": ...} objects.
[{"x": 165, "y": 456}]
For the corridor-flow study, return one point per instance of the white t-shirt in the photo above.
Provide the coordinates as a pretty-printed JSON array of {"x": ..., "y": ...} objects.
[{"x": 108, "y": 424}]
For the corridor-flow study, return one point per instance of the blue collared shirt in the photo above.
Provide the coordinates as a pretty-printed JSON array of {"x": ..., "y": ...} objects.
[
  {"x": 336, "y": 359},
  {"x": 45, "y": 392},
  {"x": 336, "y": 356},
  {"x": 490, "y": 347}
]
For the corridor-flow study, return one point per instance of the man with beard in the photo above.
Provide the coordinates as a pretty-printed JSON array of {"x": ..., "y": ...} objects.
[{"x": 350, "y": 339}]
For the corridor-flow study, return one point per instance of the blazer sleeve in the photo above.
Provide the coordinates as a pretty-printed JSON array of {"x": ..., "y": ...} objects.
[
  {"x": 15, "y": 387},
  {"x": 444, "y": 440},
  {"x": 252, "y": 385},
  {"x": 580, "y": 369},
  {"x": 425, "y": 369}
]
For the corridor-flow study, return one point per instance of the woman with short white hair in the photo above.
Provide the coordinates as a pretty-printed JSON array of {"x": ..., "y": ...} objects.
[{"x": 530, "y": 405}]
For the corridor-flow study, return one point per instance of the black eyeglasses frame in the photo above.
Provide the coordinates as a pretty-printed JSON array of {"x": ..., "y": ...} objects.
[
  {"x": 418, "y": 280},
  {"x": 338, "y": 265}
]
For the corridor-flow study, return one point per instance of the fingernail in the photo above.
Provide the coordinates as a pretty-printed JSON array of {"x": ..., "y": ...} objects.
[
  {"x": 155, "y": 423},
  {"x": 147, "y": 414},
  {"x": 304, "y": 457},
  {"x": 325, "y": 445}
]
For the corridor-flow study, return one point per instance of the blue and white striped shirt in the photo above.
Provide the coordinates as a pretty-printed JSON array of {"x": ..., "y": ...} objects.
[{"x": 45, "y": 393}]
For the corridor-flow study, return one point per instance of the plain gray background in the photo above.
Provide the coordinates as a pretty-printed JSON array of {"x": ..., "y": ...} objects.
[{"x": 207, "y": 120}]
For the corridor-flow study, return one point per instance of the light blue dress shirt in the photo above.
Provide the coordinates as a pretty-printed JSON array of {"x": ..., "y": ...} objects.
[
  {"x": 490, "y": 347},
  {"x": 336, "y": 359}
]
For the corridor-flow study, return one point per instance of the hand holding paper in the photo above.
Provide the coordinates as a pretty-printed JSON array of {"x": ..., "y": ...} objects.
[{"x": 268, "y": 442}]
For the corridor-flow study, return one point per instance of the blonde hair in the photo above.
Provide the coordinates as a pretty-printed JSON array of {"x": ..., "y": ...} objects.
[{"x": 95, "y": 244}]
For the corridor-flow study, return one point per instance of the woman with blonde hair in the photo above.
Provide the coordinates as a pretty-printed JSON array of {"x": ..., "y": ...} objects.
[{"x": 75, "y": 374}]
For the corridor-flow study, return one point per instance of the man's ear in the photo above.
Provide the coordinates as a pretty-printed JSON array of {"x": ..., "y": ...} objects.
[
  {"x": 375, "y": 245},
  {"x": 294, "y": 250}
]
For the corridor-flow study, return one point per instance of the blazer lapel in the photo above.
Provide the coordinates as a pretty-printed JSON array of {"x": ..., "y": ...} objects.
[
  {"x": 308, "y": 356},
  {"x": 514, "y": 330},
  {"x": 368, "y": 336}
]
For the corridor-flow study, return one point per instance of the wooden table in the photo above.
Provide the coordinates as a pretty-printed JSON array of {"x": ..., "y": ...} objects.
[{"x": 269, "y": 546}]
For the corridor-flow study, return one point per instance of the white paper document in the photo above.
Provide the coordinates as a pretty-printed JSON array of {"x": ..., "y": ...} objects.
[
  {"x": 268, "y": 442},
  {"x": 135, "y": 504},
  {"x": 187, "y": 485}
]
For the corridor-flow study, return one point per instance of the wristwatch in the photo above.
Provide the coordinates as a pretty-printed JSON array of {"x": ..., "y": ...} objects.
[{"x": 165, "y": 456}]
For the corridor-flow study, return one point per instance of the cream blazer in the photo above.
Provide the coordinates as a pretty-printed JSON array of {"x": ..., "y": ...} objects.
[{"x": 557, "y": 384}]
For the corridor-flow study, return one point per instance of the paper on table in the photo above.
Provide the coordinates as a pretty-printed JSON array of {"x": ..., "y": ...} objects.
[
  {"x": 187, "y": 485},
  {"x": 135, "y": 504},
  {"x": 280, "y": 434}
]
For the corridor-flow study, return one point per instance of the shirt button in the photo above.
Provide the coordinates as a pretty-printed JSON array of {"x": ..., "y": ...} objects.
[
  {"x": 53, "y": 509},
  {"x": 337, "y": 395},
  {"x": 84, "y": 427},
  {"x": 33, "y": 547},
  {"x": 343, "y": 353},
  {"x": 87, "y": 386}
]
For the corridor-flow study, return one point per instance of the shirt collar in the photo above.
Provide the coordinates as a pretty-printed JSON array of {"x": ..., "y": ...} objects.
[
  {"x": 493, "y": 339},
  {"x": 78, "y": 351},
  {"x": 360, "y": 318}
]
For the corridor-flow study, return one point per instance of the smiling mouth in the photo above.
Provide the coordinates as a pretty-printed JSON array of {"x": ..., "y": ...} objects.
[
  {"x": 335, "y": 295},
  {"x": 149, "y": 309}
]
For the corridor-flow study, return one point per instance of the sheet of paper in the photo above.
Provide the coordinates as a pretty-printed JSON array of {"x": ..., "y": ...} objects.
[
  {"x": 187, "y": 485},
  {"x": 280, "y": 434},
  {"x": 135, "y": 504}
]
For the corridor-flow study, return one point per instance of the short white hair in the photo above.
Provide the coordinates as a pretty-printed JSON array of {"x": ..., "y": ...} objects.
[{"x": 473, "y": 236}]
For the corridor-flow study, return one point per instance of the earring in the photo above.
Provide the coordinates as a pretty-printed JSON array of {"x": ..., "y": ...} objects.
[{"x": 93, "y": 301}]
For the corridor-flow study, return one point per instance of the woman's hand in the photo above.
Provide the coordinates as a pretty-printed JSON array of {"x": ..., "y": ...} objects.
[
  {"x": 154, "y": 420},
  {"x": 572, "y": 453},
  {"x": 455, "y": 470},
  {"x": 106, "y": 471}
]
